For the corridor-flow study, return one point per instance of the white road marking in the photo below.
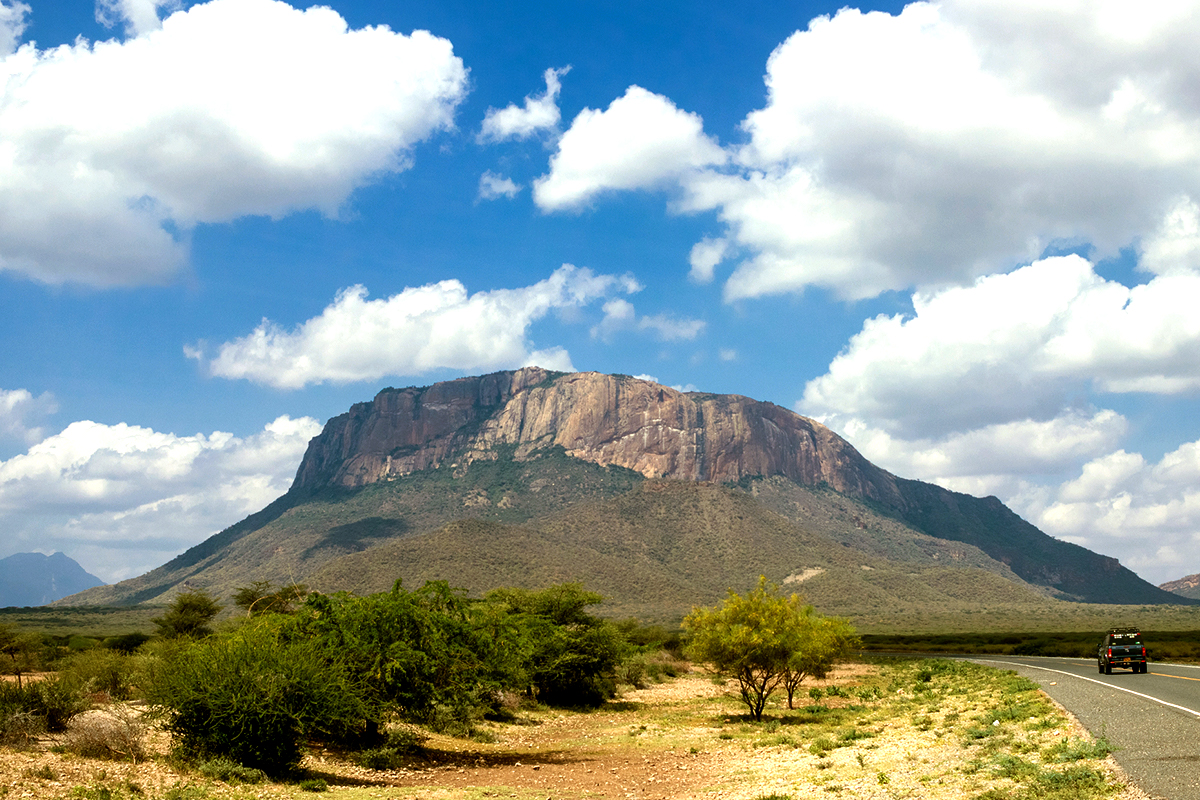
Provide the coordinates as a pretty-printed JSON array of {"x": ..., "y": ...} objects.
[{"x": 1185, "y": 709}]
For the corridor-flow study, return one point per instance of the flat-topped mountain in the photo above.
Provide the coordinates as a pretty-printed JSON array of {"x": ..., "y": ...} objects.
[
  {"x": 606, "y": 419},
  {"x": 546, "y": 459}
]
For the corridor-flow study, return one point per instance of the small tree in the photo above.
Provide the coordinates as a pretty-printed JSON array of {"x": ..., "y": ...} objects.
[
  {"x": 751, "y": 638},
  {"x": 766, "y": 641},
  {"x": 823, "y": 642},
  {"x": 20, "y": 651},
  {"x": 572, "y": 656},
  {"x": 188, "y": 615},
  {"x": 261, "y": 597}
]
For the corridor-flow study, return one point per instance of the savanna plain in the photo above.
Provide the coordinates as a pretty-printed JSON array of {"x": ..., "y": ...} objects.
[{"x": 874, "y": 728}]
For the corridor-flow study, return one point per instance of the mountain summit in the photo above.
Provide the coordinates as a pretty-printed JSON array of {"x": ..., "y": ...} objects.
[
  {"x": 605, "y": 419},
  {"x": 540, "y": 465}
]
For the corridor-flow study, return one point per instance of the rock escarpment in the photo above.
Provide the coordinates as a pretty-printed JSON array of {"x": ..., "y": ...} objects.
[
  {"x": 606, "y": 419},
  {"x": 1188, "y": 586}
]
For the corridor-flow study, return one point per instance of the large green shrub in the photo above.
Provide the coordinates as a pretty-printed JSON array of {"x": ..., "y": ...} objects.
[
  {"x": 254, "y": 695},
  {"x": 571, "y": 656},
  {"x": 422, "y": 653}
]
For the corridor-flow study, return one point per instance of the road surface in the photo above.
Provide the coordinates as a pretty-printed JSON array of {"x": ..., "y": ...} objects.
[{"x": 1153, "y": 720}]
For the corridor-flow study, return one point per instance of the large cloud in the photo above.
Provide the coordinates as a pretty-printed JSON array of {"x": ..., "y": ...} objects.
[
  {"x": 1148, "y": 515},
  {"x": 992, "y": 389},
  {"x": 123, "y": 499},
  {"x": 953, "y": 140},
  {"x": 640, "y": 141},
  {"x": 1013, "y": 347},
  {"x": 438, "y": 326},
  {"x": 111, "y": 152}
]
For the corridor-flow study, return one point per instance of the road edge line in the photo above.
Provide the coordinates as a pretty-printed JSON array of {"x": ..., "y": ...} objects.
[{"x": 1010, "y": 664}]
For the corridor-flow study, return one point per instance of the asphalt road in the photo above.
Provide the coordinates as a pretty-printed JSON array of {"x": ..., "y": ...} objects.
[{"x": 1153, "y": 720}]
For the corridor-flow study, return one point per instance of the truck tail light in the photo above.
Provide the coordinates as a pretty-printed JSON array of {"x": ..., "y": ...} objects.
[
  {"x": 1110, "y": 652},
  {"x": 1143, "y": 651}
]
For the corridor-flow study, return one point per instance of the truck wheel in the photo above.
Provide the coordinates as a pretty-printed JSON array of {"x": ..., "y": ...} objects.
[
  {"x": 1099, "y": 666},
  {"x": 1108, "y": 669}
]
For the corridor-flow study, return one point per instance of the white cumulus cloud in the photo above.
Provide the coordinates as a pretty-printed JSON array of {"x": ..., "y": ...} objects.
[
  {"x": 539, "y": 113},
  {"x": 993, "y": 388},
  {"x": 1146, "y": 514},
  {"x": 492, "y": 186},
  {"x": 952, "y": 140},
  {"x": 138, "y": 16},
  {"x": 1013, "y": 347},
  {"x": 111, "y": 152},
  {"x": 22, "y": 414},
  {"x": 123, "y": 499},
  {"x": 12, "y": 25},
  {"x": 437, "y": 326},
  {"x": 640, "y": 141},
  {"x": 620, "y": 315}
]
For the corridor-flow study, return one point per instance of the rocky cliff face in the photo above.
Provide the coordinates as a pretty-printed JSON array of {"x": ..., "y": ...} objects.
[
  {"x": 1184, "y": 587},
  {"x": 605, "y": 419}
]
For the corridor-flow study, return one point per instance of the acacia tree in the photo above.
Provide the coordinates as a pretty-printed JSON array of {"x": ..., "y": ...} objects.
[
  {"x": 188, "y": 615},
  {"x": 20, "y": 651},
  {"x": 261, "y": 597},
  {"x": 765, "y": 641}
]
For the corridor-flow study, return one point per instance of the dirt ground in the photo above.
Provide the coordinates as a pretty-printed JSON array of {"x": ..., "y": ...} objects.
[{"x": 682, "y": 739}]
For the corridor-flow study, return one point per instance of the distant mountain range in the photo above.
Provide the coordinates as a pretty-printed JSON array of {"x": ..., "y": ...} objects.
[
  {"x": 656, "y": 498},
  {"x": 1184, "y": 587},
  {"x": 34, "y": 579}
]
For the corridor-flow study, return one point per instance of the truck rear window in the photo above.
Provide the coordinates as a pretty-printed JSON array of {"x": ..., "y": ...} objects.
[{"x": 1124, "y": 640}]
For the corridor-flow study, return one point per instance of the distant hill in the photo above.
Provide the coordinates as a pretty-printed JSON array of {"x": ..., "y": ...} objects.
[
  {"x": 34, "y": 579},
  {"x": 526, "y": 477},
  {"x": 1184, "y": 587}
]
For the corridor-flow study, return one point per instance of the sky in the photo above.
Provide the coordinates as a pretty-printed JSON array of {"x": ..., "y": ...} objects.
[{"x": 964, "y": 235}]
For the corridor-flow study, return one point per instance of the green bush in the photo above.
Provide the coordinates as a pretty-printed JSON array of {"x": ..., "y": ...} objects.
[
  {"x": 229, "y": 771},
  {"x": 572, "y": 656},
  {"x": 188, "y": 615},
  {"x": 101, "y": 670},
  {"x": 49, "y": 703},
  {"x": 254, "y": 696}
]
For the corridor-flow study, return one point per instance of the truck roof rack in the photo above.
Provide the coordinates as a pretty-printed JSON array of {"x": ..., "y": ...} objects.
[{"x": 1125, "y": 630}]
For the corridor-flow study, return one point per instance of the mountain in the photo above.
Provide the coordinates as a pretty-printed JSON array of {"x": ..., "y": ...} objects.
[
  {"x": 1184, "y": 587},
  {"x": 515, "y": 478},
  {"x": 34, "y": 579}
]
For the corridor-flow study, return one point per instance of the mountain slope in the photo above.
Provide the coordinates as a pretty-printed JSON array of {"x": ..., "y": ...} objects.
[
  {"x": 35, "y": 579},
  {"x": 1184, "y": 587},
  {"x": 666, "y": 546},
  {"x": 517, "y": 448}
]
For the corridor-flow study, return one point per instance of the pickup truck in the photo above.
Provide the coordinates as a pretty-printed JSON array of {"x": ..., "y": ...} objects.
[{"x": 1121, "y": 647}]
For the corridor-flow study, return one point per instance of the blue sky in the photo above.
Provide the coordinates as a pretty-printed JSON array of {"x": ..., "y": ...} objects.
[{"x": 966, "y": 235}]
